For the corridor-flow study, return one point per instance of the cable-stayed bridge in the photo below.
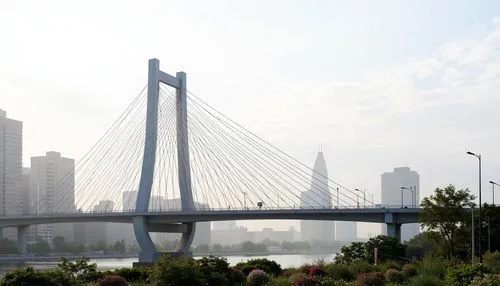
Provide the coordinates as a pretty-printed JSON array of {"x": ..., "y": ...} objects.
[{"x": 164, "y": 169}]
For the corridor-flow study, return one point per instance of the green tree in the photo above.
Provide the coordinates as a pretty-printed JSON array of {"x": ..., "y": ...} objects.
[
  {"x": 204, "y": 248},
  {"x": 119, "y": 246},
  {"x": 389, "y": 248},
  {"x": 7, "y": 246},
  {"x": 446, "y": 213},
  {"x": 424, "y": 243},
  {"x": 350, "y": 253},
  {"x": 491, "y": 216},
  {"x": 59, "y": 244},
  {"x": 169, "y": 271},
  {"x": 40, "y": 246}
]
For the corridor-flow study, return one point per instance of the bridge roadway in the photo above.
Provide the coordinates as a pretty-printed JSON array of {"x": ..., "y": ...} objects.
[{"x": 392, "y": 215}]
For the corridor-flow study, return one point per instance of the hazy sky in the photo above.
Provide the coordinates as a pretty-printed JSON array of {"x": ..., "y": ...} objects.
[{"x": 379, "y": 84}]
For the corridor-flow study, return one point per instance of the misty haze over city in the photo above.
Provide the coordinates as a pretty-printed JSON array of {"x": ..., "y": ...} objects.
[{"x": 371, "y": 95}]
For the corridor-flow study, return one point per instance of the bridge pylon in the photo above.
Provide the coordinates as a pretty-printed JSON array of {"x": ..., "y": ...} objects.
[{"x": 142, "y": 228}]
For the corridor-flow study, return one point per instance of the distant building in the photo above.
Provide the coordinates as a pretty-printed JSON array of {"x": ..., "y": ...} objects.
[
  {"x": 231, "y": 236},
  {"x": 392, "y": 194},
  {"x": 318, "y": 196},
  {"x": 224, "y": 225},
  {"x": 52, "y": 189},
  {"x": 11, "y": 152},
  {"x": 25, "y": 191},
  {"x": 346, "y": 231},
  {"x": 274, "y": 235},
  {"x": 95, "y": 232}
]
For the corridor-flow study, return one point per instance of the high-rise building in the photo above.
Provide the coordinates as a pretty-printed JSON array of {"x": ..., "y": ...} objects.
[
  {"x": 25, "y": 191},
  {"x": 318, "y": 196},
  {"x": 401, "y": 188},
  {"x": 11, "y": 146},
  {"x": 346, "y": 231},
  {"x": 224, "y": 225},
  {"x": 96, "y": 232},
  {"x": 52, "y": 189}
]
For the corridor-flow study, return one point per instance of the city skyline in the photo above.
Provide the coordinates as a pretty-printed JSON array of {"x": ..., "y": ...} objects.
[{"x": 379, "y": 90}]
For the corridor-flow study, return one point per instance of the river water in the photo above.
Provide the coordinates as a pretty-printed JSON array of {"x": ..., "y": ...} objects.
[{"x": 285, "y": 260}]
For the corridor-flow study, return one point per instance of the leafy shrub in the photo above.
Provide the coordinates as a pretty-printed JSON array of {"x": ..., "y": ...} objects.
[
  {"x": 258, "y": 277},
  {"x": 113, "y": 280},
  {"x": 433, "y": 266},
  {"x": 394, "y": 276},
  {"x": 215, "y": 270},
  {"x": 313, "y": 270},
  {"x": 389, "y": 265},
  {"x": 80, "y": 271},
  {"x": 237, "y": 276},
  {"x": 340, "y": 272},
  {"x": 410, "y": 270},
  {"x": 486, "y": 280},
  {"x": 169, "y": 271},
  {"x": 137, "y": 274},
  {"x": 425, "y": 280},
  {"x": 302, "y": 279},
  {"x": 363, "y": 267},
  {"x": 371, "y": 279},
  {"x": 280, "y": 281},
  {"x": 492, "y": 261},
  {"x": 463, "y": 274},
  {"x": 30, "y": 276},
  {"x": 264, "y": 264}
]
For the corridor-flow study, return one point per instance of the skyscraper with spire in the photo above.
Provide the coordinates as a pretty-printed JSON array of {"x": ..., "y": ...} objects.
[{"x": 318, "y": 196}]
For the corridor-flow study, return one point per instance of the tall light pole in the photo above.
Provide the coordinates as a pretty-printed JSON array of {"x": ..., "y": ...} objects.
[
  {"x": 480, "y": 224},
  {"x": 493, "y": 192},
  {"x": 245, "y": 199},
  {"x": 364, "y": 196},
  {"x": 412, "y": 194}
]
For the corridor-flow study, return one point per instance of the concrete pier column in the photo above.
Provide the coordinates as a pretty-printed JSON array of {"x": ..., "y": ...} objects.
[
  {"x": 22, "y": 237},
  {"x": 394, "y": 230}
]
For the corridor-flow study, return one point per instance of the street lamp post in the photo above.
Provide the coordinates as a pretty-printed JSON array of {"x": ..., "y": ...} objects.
[
  {"x": 493, "y": 192},
  {"x": 480, "y": 224},
  {"x": 364, "y": 196},
  {"x": 412, "y": 195},
  {"x": 245, "y": 199}
]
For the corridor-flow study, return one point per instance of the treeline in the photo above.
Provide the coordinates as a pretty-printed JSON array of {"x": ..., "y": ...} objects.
[{"x": 59, "y": 245}]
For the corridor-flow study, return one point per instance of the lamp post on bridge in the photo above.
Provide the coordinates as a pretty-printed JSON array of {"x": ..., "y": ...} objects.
[
  {"x": 413, "y": 196},
  {"x": 364, "y": 196},
  {"x": 493, "y": 192},
  {"x": 478, "y": 156},
  {"x": 245, "y": 199}
]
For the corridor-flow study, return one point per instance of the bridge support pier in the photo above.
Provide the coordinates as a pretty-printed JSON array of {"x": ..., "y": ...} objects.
[
  {"x": 22, "y": 237},
  {"x": 393, "y": 228}
]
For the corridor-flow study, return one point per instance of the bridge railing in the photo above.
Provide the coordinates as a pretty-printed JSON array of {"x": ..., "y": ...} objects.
[{"x": 239, "y": 208}]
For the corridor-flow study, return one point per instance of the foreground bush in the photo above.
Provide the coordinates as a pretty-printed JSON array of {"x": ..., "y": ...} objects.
[
  {"x": 486, "y": 280},
  {"x": 302, "y": 279},
  {"x": 339, "y": 271},
  {"x": 137, "y": 274},
  {"x": 371, "y": 279},
  {"x": 29, "y": 276},
  {"x": 394, "y": 276},
  {"x": 215, "y": 271},
  {"x": 410, "y": 270},
  {"x": 169, "y": 271},
  {"x": 268, "y": 266},
  {"x": 492, "y": 261},
  {"x": 113, "y": 280},
  {"x": 425, "y": 280},
  {"x": 433, "y": 266},
  {"x": 463, "y": 274},
  {"x": 258, "y": 277}
]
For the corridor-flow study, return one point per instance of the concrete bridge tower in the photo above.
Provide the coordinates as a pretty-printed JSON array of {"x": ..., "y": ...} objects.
[{"x": 142, "y": 228}]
